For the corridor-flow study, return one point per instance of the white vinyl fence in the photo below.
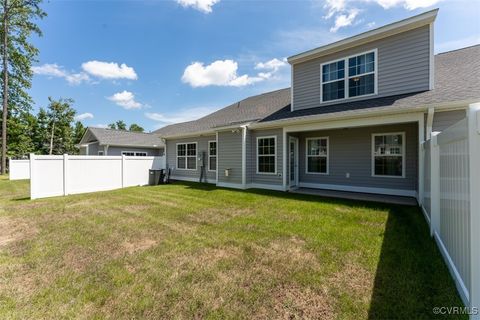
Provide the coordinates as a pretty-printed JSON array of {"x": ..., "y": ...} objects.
[
  {"x": 19, "y": 169},
  {"x": 452, "y": 201},
  {"x": 62, "y": 175}
]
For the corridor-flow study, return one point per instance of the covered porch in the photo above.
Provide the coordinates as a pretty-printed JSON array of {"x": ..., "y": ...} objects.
[{"x": 373, "y": 159}]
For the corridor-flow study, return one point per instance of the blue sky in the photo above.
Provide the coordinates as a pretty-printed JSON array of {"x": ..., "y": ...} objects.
[{"x": 158, "y": 62}]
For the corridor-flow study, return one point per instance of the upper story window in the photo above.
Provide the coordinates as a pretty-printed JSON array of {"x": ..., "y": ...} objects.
[{"x": 359, "y": 80}]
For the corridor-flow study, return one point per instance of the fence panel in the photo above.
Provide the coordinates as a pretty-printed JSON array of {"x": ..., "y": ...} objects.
[
  {"x": 19, "y": 169},
  {"x": 62, "y": 175}
]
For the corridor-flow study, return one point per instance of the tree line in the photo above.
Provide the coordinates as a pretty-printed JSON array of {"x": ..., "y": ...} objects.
[{"x": 52, "y": 130}]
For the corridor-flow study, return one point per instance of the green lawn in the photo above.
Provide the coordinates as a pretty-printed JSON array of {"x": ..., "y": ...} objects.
[{"x": 194, "y": 251}]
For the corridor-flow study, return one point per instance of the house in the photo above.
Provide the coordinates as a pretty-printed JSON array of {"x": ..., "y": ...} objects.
[
  {"x": 353, "y": 119},
  {"x": 102, "y": 142}
]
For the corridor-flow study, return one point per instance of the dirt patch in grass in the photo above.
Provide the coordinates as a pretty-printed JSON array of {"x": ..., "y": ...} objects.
[
  {"x": 290, "y": 301},
  {"x": 78, "y": 258},
  {"x": 14, "y": 230},
  {"x": 138, "y": 245},
  {"x": 354, "y": 279}
]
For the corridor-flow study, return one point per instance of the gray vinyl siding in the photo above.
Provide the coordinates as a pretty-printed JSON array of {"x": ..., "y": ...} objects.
[
  {"x": 82, "y": 151},
  {"x": 351, "y": 152},
  {"x": 117, "y": 151},
  {"x": 93, "y": 149},
  {"x": 202, "y": 146},
  {"x": 254, "y": 177},
  {"x": 229, "y": 149},
  {"x": 443, "y": 120},
  {"x": 403, "y": 67}
]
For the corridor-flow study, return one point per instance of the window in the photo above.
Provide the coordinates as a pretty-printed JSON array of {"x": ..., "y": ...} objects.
[
  {"x": 187, "y": 156},
  {"x": 333, "y": 81},
  {"x": 317, "y": 155},
  {"x": 361, "y": 75},
  {"x": 337, "y": 83},
  {"x": 100, "y": 153},
  {"x": 128, "y": 153},
  {"x": 266, "y": 155},
  {"x": 140, "y": 154},
  {"x": 388, "y": 154},
  {"x": 212, "y": 155}
]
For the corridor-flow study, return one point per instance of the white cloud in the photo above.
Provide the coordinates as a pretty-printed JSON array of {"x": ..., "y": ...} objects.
[
  {"x": 371, "y": 24},
  {"x": 204, "y": 6},
  {"x": 109, "y": 70},
  {"x": 344, "y": 20},
  {"x": 101, "y": 125},
  {"x": 179, "y": 116},
  {"x": 407, "y": 4},
  {"x": 224, "y": 73},
  {"x": 83, "y": 116},
  {"x": 125, "y": 99},
  {"x": 54, "y": 70}
]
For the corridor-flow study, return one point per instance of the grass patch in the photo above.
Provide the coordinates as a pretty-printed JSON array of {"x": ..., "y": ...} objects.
[{"x": 187, "y": 250}]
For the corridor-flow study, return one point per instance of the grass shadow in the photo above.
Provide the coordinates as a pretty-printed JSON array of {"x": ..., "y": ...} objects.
[{"x": 411, "y": 277}]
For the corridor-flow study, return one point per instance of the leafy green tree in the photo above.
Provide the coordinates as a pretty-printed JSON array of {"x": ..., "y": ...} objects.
[
  {"x": 119, "y": 125},
  {"x": 135, "y": 128},
  {"x": 17, "y": 18},
  {"x": 40, "y": 132},
  {"x": 19, "y": 136},
  {"x": 78, "y": 132},
  {"x": 61, "y": 133}
]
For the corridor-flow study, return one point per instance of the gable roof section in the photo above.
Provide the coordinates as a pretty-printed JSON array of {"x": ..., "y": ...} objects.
[
  {"x": 123, "y": 138},
  {"x": 372, "y": 35},
  {"x": 247, "y": 110},
  {"x": 457, "y": 79}
]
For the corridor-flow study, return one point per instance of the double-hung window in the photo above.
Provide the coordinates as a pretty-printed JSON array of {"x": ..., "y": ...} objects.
[
  {"x": 388, "y": 154},
  {"x": 212, "y": 155},
  {"x": 187, "y": 156},
  {"x": 128, "y": 153},
  {"x": 349, "y": 77},
  {"x": 333, "y": 81},
  {"x": 266, "y": 155},
  {"x": 317, "y": 155},
  {"x": 140, "y": 154}
]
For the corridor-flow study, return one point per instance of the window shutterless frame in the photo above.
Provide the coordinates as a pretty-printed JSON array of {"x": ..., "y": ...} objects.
[
  {"x": 186, "y": 156},
  {"x": 100, "y": 153},
  {"x": 273, "y": 155},
  {"x": 346, "y": 76},
  {"x": 128, "y": 153},
  {"x": 140, "y": 154},
  {"x": 310, "y": 156},
  {"x": 212, "y": 156},
  {"x": 403, "y": 155}
]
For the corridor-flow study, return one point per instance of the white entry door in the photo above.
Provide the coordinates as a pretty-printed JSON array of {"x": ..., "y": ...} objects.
[{"x": 293, "y": 162}]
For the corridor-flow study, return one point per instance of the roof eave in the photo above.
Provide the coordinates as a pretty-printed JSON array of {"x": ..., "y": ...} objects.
[
  {"x": 372, "y": 35},
  {"x": 378, "y": 111}
]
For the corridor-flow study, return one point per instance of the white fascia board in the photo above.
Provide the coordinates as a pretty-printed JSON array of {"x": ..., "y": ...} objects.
[{"x": 372, "y": 35}]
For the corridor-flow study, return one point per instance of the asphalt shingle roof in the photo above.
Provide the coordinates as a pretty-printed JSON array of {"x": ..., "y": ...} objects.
[
  {"x": 457, "y": 78},
  {"x": 125, "y": 138}
]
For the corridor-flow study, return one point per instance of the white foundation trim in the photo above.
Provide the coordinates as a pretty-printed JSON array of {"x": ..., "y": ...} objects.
[{"x": 395, "y": 192}]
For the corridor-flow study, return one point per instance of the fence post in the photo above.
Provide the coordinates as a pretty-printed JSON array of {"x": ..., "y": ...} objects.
[
  {"x": 434, "y": 184},
  {"x": 473, "y": 117},
  {"x": 65, "y": 174},
  {"x": 123, "y": 170},
  {"x": 32, "y": 176}
]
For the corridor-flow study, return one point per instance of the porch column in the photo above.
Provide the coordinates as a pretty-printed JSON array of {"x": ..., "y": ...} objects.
[{"x": 421, "y": 139}]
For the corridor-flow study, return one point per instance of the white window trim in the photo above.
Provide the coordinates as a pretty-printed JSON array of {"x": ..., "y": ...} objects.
[
  {"x": 327, "y": 156},
  {"x": 275, "y": 155},
  {"x": 100, "y": 153},
  {"x": 403, "y": 155},
  {"x": 346, "y": 77},
  {"x": 209, "y": 155},
  {"x": 126, "y": 151},
  {"x": 186, "y": 156}
]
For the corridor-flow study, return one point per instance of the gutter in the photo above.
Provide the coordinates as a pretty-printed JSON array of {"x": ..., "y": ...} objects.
[{"x": 351, "y": 114}]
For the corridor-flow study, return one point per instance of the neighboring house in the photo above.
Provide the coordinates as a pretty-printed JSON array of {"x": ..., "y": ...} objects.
[
  {"x": 102, "y": 142},
  {"x": 353, "y": 120}
]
